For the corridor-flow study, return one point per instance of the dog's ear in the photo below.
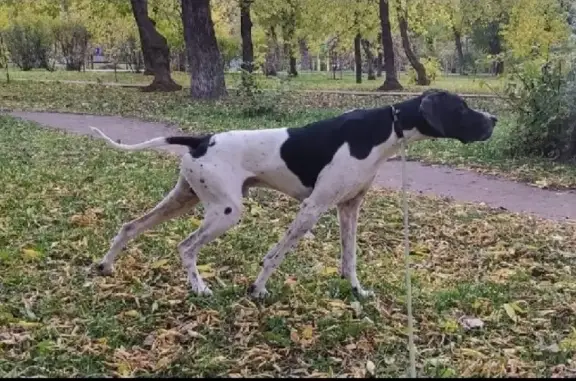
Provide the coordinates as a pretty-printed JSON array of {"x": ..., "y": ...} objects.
[{"x": 440, "y": 110}]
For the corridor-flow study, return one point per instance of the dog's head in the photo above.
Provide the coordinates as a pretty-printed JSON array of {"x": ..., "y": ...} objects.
[{"x": 448, "y": 116}]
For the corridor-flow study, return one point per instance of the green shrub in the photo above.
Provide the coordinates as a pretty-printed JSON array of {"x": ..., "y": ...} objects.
[
  {"x": 256, "y": 101},
  {"x": 544, "y": 99},
  {"x": 131, "y": 53},
  {"x": 29, "y": 45},
  {"x": 72, "y": 39},
  {"x": 433, "y": 70}
]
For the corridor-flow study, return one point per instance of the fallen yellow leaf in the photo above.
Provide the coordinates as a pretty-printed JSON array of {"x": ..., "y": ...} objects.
[
  {"x": 472, "y": 353},
  {"x": 338, "y": 304},
  {"x": 329, "y": 270},
  {"x": 31, "y": 254},
  {"x": 132, "y": 313},
  {"x": 28, "y": 324},
  {"x": 195, "y": 222},
  {"x": 160, "y": 263},
  {"x": 510, "y": 312},
  {"x": 163, "y": 362},
  {"x": 123, "y": 369},
  {"x": 208, "y": 274},
  {"x": 307, "y": 332},
  {"x": 206, "y": 268}
]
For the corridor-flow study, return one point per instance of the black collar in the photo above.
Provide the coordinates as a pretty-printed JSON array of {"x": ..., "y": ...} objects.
[{"x": 396, "y": 123}]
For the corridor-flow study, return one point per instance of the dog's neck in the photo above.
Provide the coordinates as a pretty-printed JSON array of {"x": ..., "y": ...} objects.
[{"x": 410, "y": 120}]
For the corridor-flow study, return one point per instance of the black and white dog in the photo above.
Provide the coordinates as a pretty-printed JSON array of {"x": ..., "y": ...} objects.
[{"x": 326, "y": 163}]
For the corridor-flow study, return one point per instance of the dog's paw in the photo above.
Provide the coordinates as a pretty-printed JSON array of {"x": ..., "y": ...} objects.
[
  {"x": 201, "y": 290},
  {"x": 104, "y": 269},
  {"x": 363, "y": 294},
  {"x": 257, "y": 293}
]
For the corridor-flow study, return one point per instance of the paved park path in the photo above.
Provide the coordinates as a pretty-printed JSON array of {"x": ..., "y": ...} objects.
[{"x": 458, "y": 184}]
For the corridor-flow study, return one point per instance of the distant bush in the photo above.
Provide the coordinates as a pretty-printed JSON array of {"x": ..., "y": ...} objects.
[
  {"x": 544, "y": 99},
  {"x": 230, "y": 48},
  {"x": 29, "y": 45},
  {"x": 256, "y": 101},
  {"x": 72, "y": 39},
  {"x": 131, "y": 54},
  {"x": 3, "y": 51},
  {"x": 433, "y": 70}
]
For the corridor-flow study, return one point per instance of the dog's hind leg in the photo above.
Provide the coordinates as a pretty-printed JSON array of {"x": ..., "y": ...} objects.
[
  {"x": 219, "y": 217},
  {"x": 220, "y": 191},
  {"x": 348, "y": 218},
  {"x": 180, "y": 200}
]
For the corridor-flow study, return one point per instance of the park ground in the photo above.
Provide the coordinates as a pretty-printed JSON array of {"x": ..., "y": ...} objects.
[
  {"x": 481, "y": 84},
  {"x": 65, "y": 196}
]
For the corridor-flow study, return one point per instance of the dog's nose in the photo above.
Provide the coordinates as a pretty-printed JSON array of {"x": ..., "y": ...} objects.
[{"x": 494, "y": 119}]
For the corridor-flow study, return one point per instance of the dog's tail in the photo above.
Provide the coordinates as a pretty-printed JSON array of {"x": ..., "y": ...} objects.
[{"x": 190, "y": 141}]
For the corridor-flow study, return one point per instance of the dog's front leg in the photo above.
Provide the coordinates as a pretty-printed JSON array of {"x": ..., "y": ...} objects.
[
  {"x": 348, "y": 218},
  {"x": 306, "y": 218}
]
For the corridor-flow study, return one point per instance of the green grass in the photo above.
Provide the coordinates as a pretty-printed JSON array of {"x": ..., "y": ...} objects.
[
  {"x": 289, "y": 109},
  {"x": 306, "y": 80},
  {"x": 63, "y": 198}
]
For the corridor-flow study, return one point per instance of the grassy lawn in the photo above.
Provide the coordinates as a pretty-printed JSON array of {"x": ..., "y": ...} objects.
[
  {"x": 290, "y": 109},
  {"x": 64, "y": 197},
  {"x": 307, "y": 80}
]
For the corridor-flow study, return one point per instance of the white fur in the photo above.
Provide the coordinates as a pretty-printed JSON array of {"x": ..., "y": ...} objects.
[{"x": 156, "y": 142}]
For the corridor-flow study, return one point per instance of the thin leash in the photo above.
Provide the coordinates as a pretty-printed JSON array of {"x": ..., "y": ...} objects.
[{"x": 411, "y": 348}]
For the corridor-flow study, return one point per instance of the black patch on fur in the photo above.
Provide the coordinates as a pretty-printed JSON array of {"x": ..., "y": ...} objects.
[
  {"x": 228, "y": 210},
  {"x": 251, "y": 288},
  {"x": 202, "y": 181},
  {"x": 198, "y": 145},
  {"x": 311, "y": 148}
]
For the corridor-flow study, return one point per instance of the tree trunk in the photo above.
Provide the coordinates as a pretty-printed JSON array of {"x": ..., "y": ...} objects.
[
  {"x": 459, "y": 50},
  {"x": 292, "y": 70},
  {"x": 146, "y": 53},
  {"x": 157, "y": 47},
  {"x": 288, "y": 31},
  {"x": 182, "y": 60},
  {"x": 148, "y": 66},
  {"x": 379, "y": 64},
  {"x": 206, "y": 65},
  {"x": 495, "y": 47},
  {"x": 358, "y": 57},
  {"x": 246, "y": 33},
  {"x": 306, "y": 61},
  {"x": 391, "y": 81},
  {"x": 271, "y": 59},
  {"x": 421, "y": 77},
  {"x": 369, "y": 59}
]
